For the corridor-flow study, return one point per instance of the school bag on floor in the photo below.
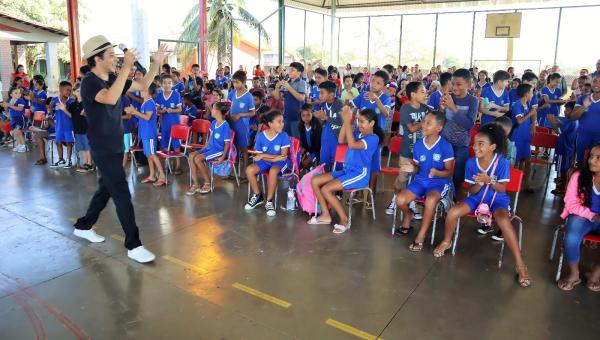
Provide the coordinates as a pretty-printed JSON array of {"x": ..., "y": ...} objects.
[
  {"x": 224, "y": 168},
  {"x": 304, "y": 191}
]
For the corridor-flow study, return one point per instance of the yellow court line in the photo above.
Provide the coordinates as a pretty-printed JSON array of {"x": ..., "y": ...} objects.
[
  {"x": 118, "y": 237},
  {"x": 262, "y": 295},
  {"x": 184, "y": 264},
  {"x": 351, "y": 330}
]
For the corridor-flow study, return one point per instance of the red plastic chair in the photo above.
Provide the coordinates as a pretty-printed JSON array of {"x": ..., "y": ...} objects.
[
  {"x": 514, "y": 185},
  {"x": 340, "y": 157},
  {"x": 182, "y": 133},
  {"x": 200, "y": 127},
  {"x": 473, "y": 132},
  {"x": 394, "y": 149},
  {"x": 183, "y": 120},
  {"x": 541, "y": 129},
  {"x": 546, "y": 141}
]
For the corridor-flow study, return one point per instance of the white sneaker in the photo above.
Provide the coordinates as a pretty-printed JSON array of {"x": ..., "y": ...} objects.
[
  {"x": 391, "y": 207},
  {"x": 21, "y": 148},
  {"x": 141, "y": 255},
  {"x": 15, "y": 148},
  {"x": 270, "y": 207},
  {"x": 89, "y": 235}
]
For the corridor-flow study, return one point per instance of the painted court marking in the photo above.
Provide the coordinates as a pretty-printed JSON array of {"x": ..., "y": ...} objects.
[
  {"x": 184, "y": 264},
  {"x": 351, "y": 330},
  {"x": 118, "y": 237},
  {"x": 262, "y": 295}
]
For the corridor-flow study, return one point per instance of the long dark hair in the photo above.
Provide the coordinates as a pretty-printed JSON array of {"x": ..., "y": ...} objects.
[
  {"x": 371, "y": 116},
  {"x": 585, "y": 181},
  {"x": 495, "y": 135},
  {"x": 222, "y": 107}
]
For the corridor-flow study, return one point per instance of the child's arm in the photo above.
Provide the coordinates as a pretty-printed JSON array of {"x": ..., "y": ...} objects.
[
  {"x": 225, "y": 152},
  {"x": 446, "y": 173},
  {"x": 132, "y": 111},
  {"x": 134, "y": 98},
  {"x": 385, "y": 111},
  {"x": 274, "y": 158},
  {"x": 483, "y": 178},
  {"x": 485, "y": 111},
  {"x": 523, "y": 118},
  {"x": 580, "y": 109},
  {"x": 64, "y": 109},
  {"x": 178, "y": 109}
]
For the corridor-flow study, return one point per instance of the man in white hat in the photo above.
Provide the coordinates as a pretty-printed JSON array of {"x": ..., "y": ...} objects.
[{"x": 101, "y": 91}]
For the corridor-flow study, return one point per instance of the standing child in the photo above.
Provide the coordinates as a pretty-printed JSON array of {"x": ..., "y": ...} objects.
[
  {"x": 496, "y": 98},
  {"x": 487, "y": 173},
  {"x": 330, "y": 115},
  {"x": 512, "y": 94},
  {"x": 64, "y": 124},
  {"x": 313, "y": 96},
  {"x": 565, "y": 148},
  {"x": 39, "y": 95},
  {"x": 433, "y": 161},
  {"x": 272, "y": 150},
  {"x": 587, "y": 112},
  {"x": 148, "y": 134},
  {"x": 16, "y": 109},
  {"x": 216, "y": 150},
  {"x": 82, "y": 145},
  {"x": 362, "y": 145},
  {"x": 524, "y": 129},
  {"x": 169, "y": 103},
  {"x": 260, "y": 109},
  {"x": 310, "y": 138},
  {"x": 242, "y": 109},
  {"x": 551, "y": 96}
]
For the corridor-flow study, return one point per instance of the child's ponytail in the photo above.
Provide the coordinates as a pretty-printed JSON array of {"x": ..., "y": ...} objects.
[{"x": 495, "y": 133}]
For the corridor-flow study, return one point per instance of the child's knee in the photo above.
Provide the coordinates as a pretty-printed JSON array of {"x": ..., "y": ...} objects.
[{"x": 251, "y": 170}]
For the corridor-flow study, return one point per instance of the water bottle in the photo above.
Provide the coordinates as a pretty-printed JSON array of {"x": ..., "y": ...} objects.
[
  {"x": 291, "y": 200},
  {"x": 486, "y": 102}
]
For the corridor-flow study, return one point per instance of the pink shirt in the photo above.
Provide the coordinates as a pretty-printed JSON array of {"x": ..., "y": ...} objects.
[{"x": 574, "y": 202}]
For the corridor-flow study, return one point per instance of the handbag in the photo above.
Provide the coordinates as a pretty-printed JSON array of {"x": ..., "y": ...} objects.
[{"x": 483, "y": 212}]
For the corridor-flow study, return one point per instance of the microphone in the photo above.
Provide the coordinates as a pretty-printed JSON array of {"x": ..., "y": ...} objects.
[{"x": 137, "y": 64}]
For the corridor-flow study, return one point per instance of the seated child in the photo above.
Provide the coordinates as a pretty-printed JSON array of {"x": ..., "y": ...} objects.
[
  {"x": 433, "y": 160},
  {"x": 272, "y": 149},
  {"x": 310, "y": 138},
  {"x": 216, "y": 150},
  {"x": 524, "y": 128},
  {"x": 16, "y": 109},
  {"x": 189, "y": 109},
  {"x": 148, "y": 135},
  {"x": 261, "y": 108},
  {"x": 362, "y": 145},
  {"x": 487, "y": 173}
]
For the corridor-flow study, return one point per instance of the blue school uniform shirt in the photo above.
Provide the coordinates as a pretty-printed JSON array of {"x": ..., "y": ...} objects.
[
  {"x": 271, "y": 146},
  {"x": 14, "y": 113},
  {"x": 220, "y": 81},
  {"x": 63, "y": 122},
  {"x": 170, "y": 102},
  {"x": 478, "y": 86},
  {"x": 502, "y": 174},
  {"x": 498, "y": 99},
  {"x": 314, "y": 95},
  {"x": 242, "y": 104},
  {"x": 435, "y": 100},
  {"x": 553, "y": 95},
  {"x": 361, "y": 102},
  {"x": 595, "y": 206},
  {"x": 135, "y": 104},
  {"x": 147, "y": 128},
  {"x": 179, "y": 87},
  {"x": 512, "y": 96},
  {"x": 521, "y": 132},
  {"x": 362, "y": 159},
  {"x": 191, "y": 111},
  {"x": 432, "y": 157},
  {"x": 219, "y": 135},
  {"x": 568, "y": 135},
  {"x": 127, "y": 123},
  {"x": 589, "y": 123},
  {"x": 40, "y": 95},
  {"x": 533, "y": 103}
]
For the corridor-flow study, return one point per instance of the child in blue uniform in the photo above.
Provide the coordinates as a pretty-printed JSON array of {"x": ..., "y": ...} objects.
[
  {"x": 565, "y": 148},
  {"x": 330, "y": 115},
  {"x": 512, "y": 94},
  {"x": 310, "y": 138},
  {"x": 362, "y": 144},
  {"x": 488, "y": 169},
  {"x": 216, "y": 150},
  {"x": 64, "y": 124},
  {"x": 16, "y": 109},
  {"x": 169, "y": 109},
  {"x": 433, "y": 160},
  {"x": 524, "y": 129},
  {"x": 38, "y": 96},
  {"x": 551, "y": 95},
  {"x": 314, "y": 97},
  {"x": 242, "y": 109},
  {"x": 189, "y": 109},
  {"x": 147, "y": 131},
  {"x": 272, "y": 149},
  {"x": 178, "y": 85},
  {"x": 587, "y": 111},
  {"x": 497, "y": 96}
]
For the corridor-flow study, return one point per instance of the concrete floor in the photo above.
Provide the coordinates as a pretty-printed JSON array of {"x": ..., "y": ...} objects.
[{"x": 223, "y": 273}]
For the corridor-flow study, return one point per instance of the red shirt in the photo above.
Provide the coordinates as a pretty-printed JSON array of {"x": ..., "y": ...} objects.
[
  {"x": 259, "y": 73},
  {"x": 275, "y": 104}
]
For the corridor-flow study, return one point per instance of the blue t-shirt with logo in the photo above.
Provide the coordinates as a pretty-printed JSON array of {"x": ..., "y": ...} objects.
[
  {"x": 552, "y": 95},
  {"x": 147, "y": 128},
  {"x": 435, "y": 100},
  {"x": 362, "y": 102},
  {"x": 40, "y": 95},
  {"x": 589, "y": 123},
  {"x": 502, "y": 174},
  {"x": 362, "y": 159},
  {"x": 521, "y": 132},
  {"x": 15, "y": 113},
  {"x": 271, "y": 146},
  {"x": 219, "y": 135},
  {"x": 63, "y": 122},
  {"x": 432, "y": 157},
  {"x": 242, "y": 104},
  {"x": 170, "y": 102},
  {"x": 499, "y": 99},
  {"x": 179, "y": 87}
]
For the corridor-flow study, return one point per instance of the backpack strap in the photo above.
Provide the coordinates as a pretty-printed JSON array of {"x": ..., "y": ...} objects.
[{"x": 487, "y": 186}]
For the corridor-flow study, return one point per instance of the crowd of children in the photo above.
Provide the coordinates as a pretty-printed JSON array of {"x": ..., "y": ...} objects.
[{"x": 461, "y": 134}]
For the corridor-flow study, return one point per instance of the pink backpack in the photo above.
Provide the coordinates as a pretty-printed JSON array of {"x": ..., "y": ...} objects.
[{"x": 304, "y": 191}]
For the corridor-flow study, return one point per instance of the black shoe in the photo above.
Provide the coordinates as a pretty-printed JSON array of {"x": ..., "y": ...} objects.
[
  {"x": 270, "y": 207},
  {"x": 484, "y": 229},
  {"x": 498, "y": 236},
  {"x": 60, "y": 163},
  {"x": 254, "y": 201}
]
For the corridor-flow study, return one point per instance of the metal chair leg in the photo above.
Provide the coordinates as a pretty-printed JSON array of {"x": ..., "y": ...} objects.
[
  {"x": 434, "y": 224},
  {"x": 455, "y": 237},
  {"x": 350, "y": 208},
  {"x": 372, "y": 204},
  {"x": 501, "y": 256},
  {"x": 554, "y": 241},
  {"x": 560, "y": 262},
  {"x": 394, "y": 220}
]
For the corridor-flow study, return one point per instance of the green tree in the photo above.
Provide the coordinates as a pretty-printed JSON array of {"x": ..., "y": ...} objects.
[{"x": 221, "y": 24}]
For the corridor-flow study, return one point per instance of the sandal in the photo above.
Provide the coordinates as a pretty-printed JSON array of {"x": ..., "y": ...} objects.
[
  {"x": 159, "y": 183},
  {"x": 594, "y": 286},
  {"x": 41, "y": 161},
  {"x": 205, "y": 189},
  {"x": 315, "y": 221},
  {"x": 416, "y": 246},
  {"x": 192, "y": 191},
  {"x": 340, "y": 228},
  {"x": 149, "y": 180},
  {"x": 404, "y": 231},
  {"x": 440, "y": 250},
  {"x": 523, "y": 278},
  {"x": 567, "y": 285}
]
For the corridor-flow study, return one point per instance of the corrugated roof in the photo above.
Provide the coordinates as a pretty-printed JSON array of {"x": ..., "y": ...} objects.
[
  {"x": 347, "y": 4},
  {"x": 34, "y": 24}
]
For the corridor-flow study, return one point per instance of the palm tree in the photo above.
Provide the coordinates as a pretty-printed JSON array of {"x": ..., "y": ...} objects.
[{"x": 221, "y": 25}]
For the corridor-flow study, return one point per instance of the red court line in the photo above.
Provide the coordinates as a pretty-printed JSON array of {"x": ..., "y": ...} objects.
[{"x": 36, "y": 323}]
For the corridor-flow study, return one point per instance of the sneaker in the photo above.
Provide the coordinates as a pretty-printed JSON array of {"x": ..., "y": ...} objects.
[
  {"x": 15, "y": 148},
  {"x": 254, "y": 201},
  {"x": 83, "y": 169},
  {"x": 416, "y": 211},
  {"x": 484, "y": 229},
  {"x": 270, "y": 208},
  {"x": 60, "y": 163},
  {"x": 89, "y": 235},
  {"x": 141, "y": 255},
  {"x": 67, "y": 165},
  {"x": 21, "y": 148},
  {"x": 390, "y": 209},
  {"x": 498, "y": 236}
]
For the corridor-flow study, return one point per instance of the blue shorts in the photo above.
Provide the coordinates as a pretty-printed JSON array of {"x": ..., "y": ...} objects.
[
  {"x": 81, "y": 143},
  {"x": 421, "y": 187},
  {"x": 523, "y": 150},
  {"x": 65, "y": 136},
  {"x": 501, "y": 201},
  {"x": 149, "y": 147},
  {"x": 210, "y": 154},
  {"x": 265, "y": 166},
  {"x": 352, "y": 178},
  {"x": 17, "y": 123},
  {"x": 127, "y": 141},
  {"x": 376, "y": 161},
  {"x": 241, "y": 134},
  {"x": 165, "y": 130}
]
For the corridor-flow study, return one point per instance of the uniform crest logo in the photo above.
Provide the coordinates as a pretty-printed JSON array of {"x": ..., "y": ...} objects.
[
  {"x": 437, "y": 157},
  {"x": 277, "y": 147},
  {"x": 172, "y": 105},
  {"x": 217, "y": 135},
  {"x": 242, "y": 105},
  {"x": 422, "y": 158},
  {"x": 264, "y": 148}
]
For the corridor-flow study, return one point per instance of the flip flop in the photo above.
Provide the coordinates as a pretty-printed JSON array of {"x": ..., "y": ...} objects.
[
  {"x": 339, "y": 229},
  {"x": 148, "y": 180},
  {"x": 159, "y": 183},
  {"x": 569, "y": 285},
  {"x": 440, "y": 250},
  {"x": 315, "y": 221}
]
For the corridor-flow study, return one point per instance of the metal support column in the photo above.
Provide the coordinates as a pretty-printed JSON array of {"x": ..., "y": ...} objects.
[
  {"x": 304, "y": 42},
  {"x": 74, "y": 49},
  {"x": 400, "y": 41},
  {"x": 333, "y": 5},
  {"x": 557, "y": 35},
  {"x": 368, "y": 41},
  {"x": 259, "y": 47},
  {"x": 472, "y": 39},
  {"x": 435, "y": 39},
  {"x": 281, "y": 47},
  {"x": 231, "y": 46},
  {"x": 202, "y": 33}
]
